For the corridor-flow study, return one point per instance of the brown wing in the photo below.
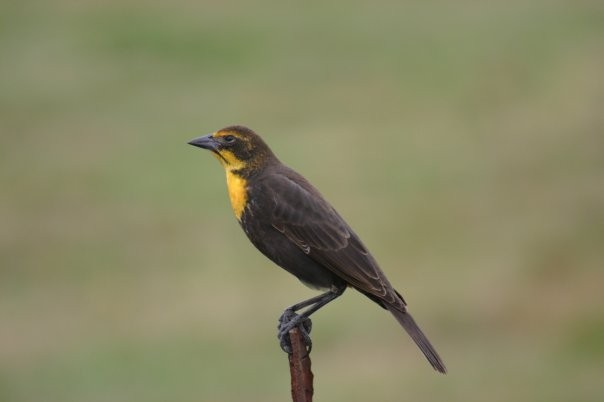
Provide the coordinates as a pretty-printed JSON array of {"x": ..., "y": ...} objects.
[{"x": 305, "y": 218}]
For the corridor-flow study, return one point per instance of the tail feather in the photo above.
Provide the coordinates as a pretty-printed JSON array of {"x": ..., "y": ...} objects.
[{"x": 407, "y": 322}]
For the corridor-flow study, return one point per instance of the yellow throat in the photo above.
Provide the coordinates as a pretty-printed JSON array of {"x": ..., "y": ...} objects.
[{"x": 236, "y": 186}]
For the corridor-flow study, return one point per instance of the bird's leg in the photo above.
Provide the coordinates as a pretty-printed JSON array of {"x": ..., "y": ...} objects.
[{"x": 290, "y": 319}]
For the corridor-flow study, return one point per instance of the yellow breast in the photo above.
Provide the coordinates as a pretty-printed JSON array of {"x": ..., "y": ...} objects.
[{"x": 237, "y": 193}]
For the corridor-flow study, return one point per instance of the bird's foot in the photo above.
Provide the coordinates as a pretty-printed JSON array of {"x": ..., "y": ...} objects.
[{"x": 288, "y": 321}]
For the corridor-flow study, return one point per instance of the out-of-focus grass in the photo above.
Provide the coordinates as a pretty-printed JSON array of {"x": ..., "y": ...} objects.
[{"x": 462, "y": 141}]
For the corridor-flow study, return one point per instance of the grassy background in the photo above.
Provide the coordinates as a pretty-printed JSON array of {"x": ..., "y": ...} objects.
[{"x": 464, "y": 141}]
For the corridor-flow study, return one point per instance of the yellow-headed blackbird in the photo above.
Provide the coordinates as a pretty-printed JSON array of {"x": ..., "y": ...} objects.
[{"x": 290, "y": 222}]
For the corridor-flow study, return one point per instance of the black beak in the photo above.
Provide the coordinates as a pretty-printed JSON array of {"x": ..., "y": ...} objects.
[{"x": 205, "y": 142}]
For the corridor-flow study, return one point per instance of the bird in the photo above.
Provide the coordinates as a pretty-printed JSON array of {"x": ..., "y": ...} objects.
[{"x": 288, "y": 220}]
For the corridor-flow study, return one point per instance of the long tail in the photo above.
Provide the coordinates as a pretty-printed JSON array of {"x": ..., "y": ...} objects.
[{"x": 407, "y": 322}]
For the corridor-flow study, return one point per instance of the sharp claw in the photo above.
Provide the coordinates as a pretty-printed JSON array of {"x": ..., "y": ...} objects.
[
  {"x": 287, "y": 322},
  {"x": 285, "y": 344},
  {"x": 305, "y": 328}
]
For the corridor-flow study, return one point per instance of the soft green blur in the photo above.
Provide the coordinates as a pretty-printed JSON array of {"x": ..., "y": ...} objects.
[{"x": 464, "y": 141}]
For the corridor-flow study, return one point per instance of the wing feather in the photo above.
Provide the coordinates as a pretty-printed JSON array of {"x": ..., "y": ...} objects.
[{"x": 310, "y": 222}]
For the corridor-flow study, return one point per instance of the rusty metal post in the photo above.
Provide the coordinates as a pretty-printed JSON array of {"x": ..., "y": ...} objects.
[{"x": 299, "y": 367}]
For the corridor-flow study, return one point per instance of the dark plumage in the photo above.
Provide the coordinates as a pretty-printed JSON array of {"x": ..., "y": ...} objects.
[{"x": 291, "y": 223}]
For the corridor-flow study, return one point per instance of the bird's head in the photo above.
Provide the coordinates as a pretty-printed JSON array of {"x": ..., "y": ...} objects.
[{"x": 237, "y": 148}]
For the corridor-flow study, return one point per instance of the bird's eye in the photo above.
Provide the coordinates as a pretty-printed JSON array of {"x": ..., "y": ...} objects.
[{"x": 229, "y": 139}]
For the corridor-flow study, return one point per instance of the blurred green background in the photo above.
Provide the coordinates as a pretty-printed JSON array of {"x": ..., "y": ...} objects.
[{"x": 464, "y": 141}]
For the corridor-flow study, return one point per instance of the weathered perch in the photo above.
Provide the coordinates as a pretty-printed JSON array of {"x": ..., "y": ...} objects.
[{"x": 299, "y": 367}]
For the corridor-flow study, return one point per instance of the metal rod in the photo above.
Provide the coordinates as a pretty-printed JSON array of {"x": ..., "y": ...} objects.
[{"x": 299, "y": 367}]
